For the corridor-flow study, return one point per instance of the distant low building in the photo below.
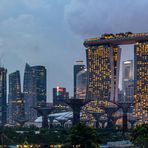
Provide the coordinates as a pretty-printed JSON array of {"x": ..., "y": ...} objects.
[{"x": 59, "y": 96}]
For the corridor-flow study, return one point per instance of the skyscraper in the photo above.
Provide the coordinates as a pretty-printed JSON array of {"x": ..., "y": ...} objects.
[
  {"x": 3, "y": 94},
  {"x": 103, "y": 72},
  {"x": 15, "y": 98},
  {"x": 59, "y": 96},
  {"x": 128, "y": 79},
  {"x": 34, "y": 89},
  {"x": 129, "y": 90},
  {"x": 128, "y": 70},
  {"x": 141, "y": 81},
  {"x": 103, "y": 57},
  {"x": 77, "y": 68},
  {"x": 81, "y": 84}
]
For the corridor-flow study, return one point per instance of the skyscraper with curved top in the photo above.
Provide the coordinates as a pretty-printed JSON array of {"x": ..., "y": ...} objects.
[{"x": 34, "y": 89}]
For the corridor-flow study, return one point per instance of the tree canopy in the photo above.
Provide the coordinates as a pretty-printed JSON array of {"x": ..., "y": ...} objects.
[
  {"x": 139, "y": 135},
  {"x": 84, "y": 136}
]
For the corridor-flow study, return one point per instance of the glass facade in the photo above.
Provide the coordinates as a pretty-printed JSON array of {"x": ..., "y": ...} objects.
[
  {"x": 128, "y": 79},
  {"x": 34, "y": 89},
  {"x": 15, "y": 98},
  {"x": 81, "y": 84},
  {"x": 77, "y": 68}
]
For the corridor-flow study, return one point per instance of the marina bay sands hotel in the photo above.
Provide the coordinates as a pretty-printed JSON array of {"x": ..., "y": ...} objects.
[{"x": 103, "y": 63}]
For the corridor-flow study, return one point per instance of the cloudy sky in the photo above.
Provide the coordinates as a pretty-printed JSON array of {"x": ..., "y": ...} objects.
[{"x": 51, "y": 32}]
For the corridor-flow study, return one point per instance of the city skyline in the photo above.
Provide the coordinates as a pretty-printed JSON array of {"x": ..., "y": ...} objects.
[{"x": 30, "y": 31}]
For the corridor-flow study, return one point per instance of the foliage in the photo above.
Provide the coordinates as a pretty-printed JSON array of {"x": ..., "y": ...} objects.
[
  {"x": 139, "y": 135},
  {"x": 83, "y": 135},
  {"x": 18, "y": 135}
]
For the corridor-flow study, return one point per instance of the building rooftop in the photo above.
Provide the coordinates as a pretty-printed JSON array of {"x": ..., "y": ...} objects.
[
  {"x": 117, "y": 39},
  {"x": 57, "y": 116}
]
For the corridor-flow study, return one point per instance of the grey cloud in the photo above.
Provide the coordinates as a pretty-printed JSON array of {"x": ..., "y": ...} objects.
[
  {"x": 34, "y": 31},
  {"x": 19, "y": 32},
  {"x": 99, "y": 16}
]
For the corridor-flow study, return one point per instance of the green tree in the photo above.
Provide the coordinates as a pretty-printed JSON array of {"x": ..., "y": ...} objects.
[
  {"x": 84, "y": 136},
  {"x": 139, "y": 136}
]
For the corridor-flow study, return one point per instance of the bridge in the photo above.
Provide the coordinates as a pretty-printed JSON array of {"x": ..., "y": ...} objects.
[{"x": 117, "y": 39}]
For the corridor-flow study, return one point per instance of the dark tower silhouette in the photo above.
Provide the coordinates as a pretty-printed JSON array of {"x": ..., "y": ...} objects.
[
  {"x": 125, "y": 105},
  {"x": 3, "y": 94},
  {"x": 15, "y": 97}
]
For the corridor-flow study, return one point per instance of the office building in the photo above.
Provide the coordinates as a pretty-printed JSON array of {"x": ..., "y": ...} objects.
[
  {"x": 129, "y": 90},
  {"x": 128, "y": 79},
  {"x": 34, "y": 89},
  {"x": 77, "y": 68},
  {"x": 59, "y": 96},
  {"x": 81, "y": 84},
  {"x": 141, "y": 81},
  {"x": 120, "y": 95},
  {"x": 127, "y": 72},
  {"x": 15, "y": 98},
  {"x": 3, "y": 96}
]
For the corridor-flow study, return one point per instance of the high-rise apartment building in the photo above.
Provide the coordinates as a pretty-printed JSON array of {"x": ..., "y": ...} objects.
[
  {"x": 3, "y": 94},
  {"x": 59, "y": 96},
  {"x": 77, "y": 68},
  {"x": 141, "y": 81},
  {"x": 103, "y": 63},
  {"x": 15, "y": 98},
  {"x": 34, "y": 89}
]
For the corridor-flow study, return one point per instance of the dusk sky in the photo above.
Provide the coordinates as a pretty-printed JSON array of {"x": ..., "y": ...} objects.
[{"x": 51, "y": 32}]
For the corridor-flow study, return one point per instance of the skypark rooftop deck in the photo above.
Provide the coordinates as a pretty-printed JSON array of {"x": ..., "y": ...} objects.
[{"x": 117, "y": 39}]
